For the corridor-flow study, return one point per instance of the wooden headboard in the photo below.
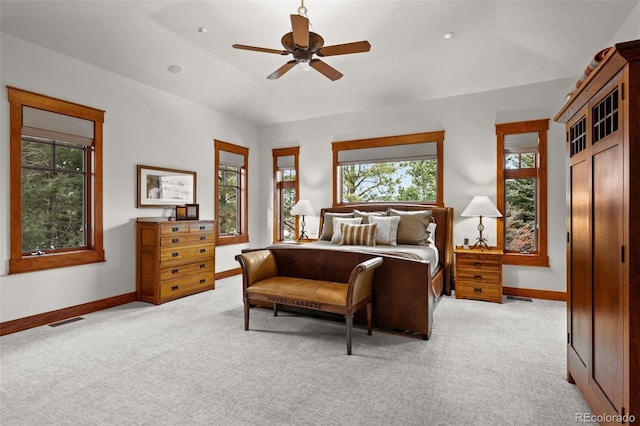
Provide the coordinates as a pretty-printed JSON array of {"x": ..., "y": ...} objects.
[{"x": 444, "y": 232}]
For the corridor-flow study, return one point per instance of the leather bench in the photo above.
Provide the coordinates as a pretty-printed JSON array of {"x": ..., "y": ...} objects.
[{"x": 262, "y": 283}]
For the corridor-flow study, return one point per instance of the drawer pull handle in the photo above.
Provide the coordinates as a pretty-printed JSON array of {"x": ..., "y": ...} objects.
[
  {"x": 174, "y": 288},
  {"x": 477, "y": 290},
  {"x": 202, "y": 281},
  {"x": 202, "y": 238},
  {"x": 477, "y": 264},
  {"x": 202, "y": 265},
  {"x": 174, "y": 271},
  {"x": 202, "y": 227},
  {"x": 477, "y": 277},
  {"x": 203, "y": 250},
  {"x": 175, "y": 229},
  {"x": 175, "y": 241},
  {"x": 175, "y": 254}
]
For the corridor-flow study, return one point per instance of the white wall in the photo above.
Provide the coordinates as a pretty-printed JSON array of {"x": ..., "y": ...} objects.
[
  {"x": 469, "y": 158},
  {"x": 142, "y": 126}
]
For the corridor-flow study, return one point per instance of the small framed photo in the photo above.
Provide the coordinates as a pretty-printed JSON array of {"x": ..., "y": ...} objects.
[{"x": 188, "y": 212}]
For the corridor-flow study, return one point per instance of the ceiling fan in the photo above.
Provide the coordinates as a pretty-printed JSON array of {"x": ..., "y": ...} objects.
[{"x": 303, "y": 44}]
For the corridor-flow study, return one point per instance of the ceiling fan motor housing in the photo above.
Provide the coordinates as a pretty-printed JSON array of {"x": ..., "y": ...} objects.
[{"x": 315, "y": 42}]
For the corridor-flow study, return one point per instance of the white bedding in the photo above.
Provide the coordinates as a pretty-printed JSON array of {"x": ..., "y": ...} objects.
[{"x": 414, "y": 252}]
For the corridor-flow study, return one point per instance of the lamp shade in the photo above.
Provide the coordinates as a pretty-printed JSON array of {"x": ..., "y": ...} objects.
[
  {"x": 481, "y": 205},
  {"x": 303, "y": 208}
]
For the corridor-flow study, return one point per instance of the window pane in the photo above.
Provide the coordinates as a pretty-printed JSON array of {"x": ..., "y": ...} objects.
[
  {"x": 36, "y": 154},
  {"x": 69, "y": 158},
  {"x": 520, "y": 218},
  {"x": 229, "y": 193},
  {"x": 511, "y": 161},
  {"x": 393, "y": 181},
  {"x": 288, "y": 221},
  {"x": 52, "y": 210}
]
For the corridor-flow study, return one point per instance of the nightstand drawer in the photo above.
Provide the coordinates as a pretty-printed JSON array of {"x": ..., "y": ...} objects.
[
  {"x": 479, "y": 276},
  {"x": 491, "y": 293}
]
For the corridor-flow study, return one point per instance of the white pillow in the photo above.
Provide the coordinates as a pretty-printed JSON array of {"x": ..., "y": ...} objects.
[
  {"x": 386, "y": 229},
  {"x": 431, "y": 234},
  {"x": 337, "y": 232}
]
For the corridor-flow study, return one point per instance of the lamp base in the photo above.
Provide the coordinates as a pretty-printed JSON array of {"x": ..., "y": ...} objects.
[
  {"x": 303, "y": 234},
  {"x": 481, "y": 243}
]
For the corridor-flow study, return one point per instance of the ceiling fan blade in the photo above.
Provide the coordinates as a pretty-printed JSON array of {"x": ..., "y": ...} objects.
[
  {"x": 283, "y": 69},
  {"x": 260, "y": 49},
  {"x": 344, "y": 49},
  {"x": 326, "y": 70},
  {"x": 300, "y": 26}
]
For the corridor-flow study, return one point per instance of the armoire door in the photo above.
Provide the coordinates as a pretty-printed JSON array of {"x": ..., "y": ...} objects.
[{"x": 606, "y": 373}]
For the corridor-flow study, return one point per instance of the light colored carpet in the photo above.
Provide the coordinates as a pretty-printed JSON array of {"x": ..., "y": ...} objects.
[{"x": 189, "y": 362}]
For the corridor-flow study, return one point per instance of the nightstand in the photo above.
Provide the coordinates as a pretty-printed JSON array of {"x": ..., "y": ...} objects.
[{"x": 479, "y": 274}]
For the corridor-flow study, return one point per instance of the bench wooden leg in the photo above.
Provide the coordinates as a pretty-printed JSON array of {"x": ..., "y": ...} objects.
[
  {"x": 246, "y": 314},
  {"x": 275, "y": 309},
  {"x": 349, "y": 321},
  {"x": 369, "y": 318}
]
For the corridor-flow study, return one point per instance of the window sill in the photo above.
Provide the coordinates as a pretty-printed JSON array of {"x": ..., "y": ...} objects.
[
  {"x": 54, "y": 260},
  {"x": 525, "y": 259},
  {"x": 235, "y": 239}
]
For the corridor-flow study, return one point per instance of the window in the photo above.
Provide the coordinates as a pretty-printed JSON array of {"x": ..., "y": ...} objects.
[
  {"x": 285, "y": 178},
  {"x": 231, "y": 193},
  {"x": 405, "y": 168},
  {"x": 522, "y": 192},
  {"x": 56, "y": 182}
]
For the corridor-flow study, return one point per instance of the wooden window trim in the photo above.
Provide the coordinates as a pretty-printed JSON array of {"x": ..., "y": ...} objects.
[
  {"x": 437, "y": 136},
  {"x": 284, "y": 152},
  {"x": 94, "y": 252},
  {"x": 541, "y": 257},
  {"x": 243, "y": 237}
]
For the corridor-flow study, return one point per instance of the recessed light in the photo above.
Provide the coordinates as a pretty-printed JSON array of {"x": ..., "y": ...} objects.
[
  {"x": 448, "y": 35},
  {"x": 202, "y": 30},
  {"x": 176, "y": 69}
]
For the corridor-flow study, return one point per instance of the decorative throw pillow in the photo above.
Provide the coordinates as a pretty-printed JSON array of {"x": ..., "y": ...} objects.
[
  {"x": 327, "y": 224},
  {"x": 387, "y": 229},
  {"x": 363, "y": 235},
  {"x": 412, "y": 228},
  {"x": 431, "y": 231},
  {"x": 365, "y": 215},
  {"x": 337, "y": 232}
]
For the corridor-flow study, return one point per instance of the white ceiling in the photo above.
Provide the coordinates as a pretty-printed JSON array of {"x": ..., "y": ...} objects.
[{"x": 497, "y": 44}]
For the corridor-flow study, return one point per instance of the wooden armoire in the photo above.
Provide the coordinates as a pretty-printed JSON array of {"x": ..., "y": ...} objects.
[{"x": 602, "y": 120}]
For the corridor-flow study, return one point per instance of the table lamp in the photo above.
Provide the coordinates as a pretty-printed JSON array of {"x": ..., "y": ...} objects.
[
  {"x": 302, "y": 208},
  {"x": 481, "y": 206}
]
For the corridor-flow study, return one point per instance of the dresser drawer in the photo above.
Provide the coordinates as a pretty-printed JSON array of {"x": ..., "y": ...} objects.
[
  {"x": 490, "y": 293},
  {"x": 180, "y": 271},
  {"x": 170, "y": 228},
  {"x": 186, "y": 239},
  {"x": 201, "y": 227},
  {"x": 188, "y": 285},
  {"x": 189, "y": 253}
]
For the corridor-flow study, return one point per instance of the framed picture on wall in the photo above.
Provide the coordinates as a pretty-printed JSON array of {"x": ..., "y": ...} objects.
[{"x": 162, "y": 187}]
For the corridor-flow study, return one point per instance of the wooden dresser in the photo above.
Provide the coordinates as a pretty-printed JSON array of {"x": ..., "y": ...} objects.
[
  {"x": 602, "y": 120},
  {"x": 479, "y": 274},
  {"x": 173, "y": 258}
]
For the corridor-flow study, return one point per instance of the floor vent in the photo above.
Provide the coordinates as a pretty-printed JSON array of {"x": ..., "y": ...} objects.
[
  {"x": 69, "y": 321},
  {"x": 520, "y": 299}
]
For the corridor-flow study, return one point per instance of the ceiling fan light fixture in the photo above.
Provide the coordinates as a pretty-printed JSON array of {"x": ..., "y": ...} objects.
[{"x": 303, "y": 64}]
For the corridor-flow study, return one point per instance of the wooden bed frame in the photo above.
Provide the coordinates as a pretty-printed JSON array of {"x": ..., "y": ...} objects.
[{"x": 404, "y": 292}]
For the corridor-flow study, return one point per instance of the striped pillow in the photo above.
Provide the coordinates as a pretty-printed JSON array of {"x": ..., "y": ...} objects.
[{"x": 364, "y": 235}]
